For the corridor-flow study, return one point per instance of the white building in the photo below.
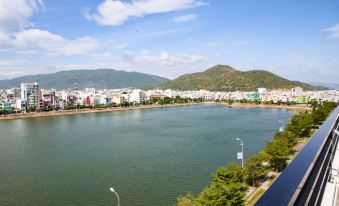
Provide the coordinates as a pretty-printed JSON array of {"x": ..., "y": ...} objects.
[
  {"x": 29, "y": 95},
  {"x": 296, "y": 91}
]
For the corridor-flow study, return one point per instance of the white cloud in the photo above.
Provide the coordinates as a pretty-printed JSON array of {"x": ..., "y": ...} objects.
[
  {"x": 16, "y": 34},
  {"x": 54, "y": 44},
  {"x": 11, "y": 63},
  {"x": 11, "y": 68},
  {"x": 116, "y": 12},
  {"x": 10, "y": 74},
  {"x": 186, "y": 18},
  {"x": 14, "y": 14},
  {"x": 166, "y": 59},
  {"x": 334, "y": 31}
]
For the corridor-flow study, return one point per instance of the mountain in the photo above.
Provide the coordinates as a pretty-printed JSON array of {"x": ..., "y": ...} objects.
[
  {"x": 329, "y": 85},
  {"x": 100, "y": 79},
  {"x": 225, "y": 78}
]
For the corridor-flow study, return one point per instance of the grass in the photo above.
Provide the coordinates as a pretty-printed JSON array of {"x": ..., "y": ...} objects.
[{"x": 255, "y": 197}]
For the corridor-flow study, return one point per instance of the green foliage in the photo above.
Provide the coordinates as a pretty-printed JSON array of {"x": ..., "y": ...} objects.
[
  {"x": 319, "y": 115},
  {"x": 231, "y": 173},
  {"x": 230, "y": 101},
  {"x": 291, "y": 139},
  {"x": 219, "y": 194},
  {"x": 225, "y": 78},
  {"x": 227, "y": 188},
  {"x": 188, "y": 200},
  {"x": 314, "y": 104},
  {"x": 31, "y": 109},
  {"x": 278, "y": 150},
  {"x": 301, "y": 124},
  {"x": 255, "y": 169},
  {"x": 6, "y": 112}
]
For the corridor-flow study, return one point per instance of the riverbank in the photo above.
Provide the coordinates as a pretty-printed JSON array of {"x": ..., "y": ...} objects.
[
  {"x": 86, "y": 111},
  {"x": 246, "y": 105}
]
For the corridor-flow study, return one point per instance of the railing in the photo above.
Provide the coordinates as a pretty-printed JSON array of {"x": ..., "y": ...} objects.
[{"x": 304, "y": 180}]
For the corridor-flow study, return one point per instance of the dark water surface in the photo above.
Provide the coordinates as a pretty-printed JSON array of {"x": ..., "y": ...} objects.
[{"x": 149, "y": 156}]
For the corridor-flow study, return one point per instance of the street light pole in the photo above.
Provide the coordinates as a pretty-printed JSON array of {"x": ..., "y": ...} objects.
[
  {"x": 112, "y": 190},
  {"x": 242, "y": 151},
  {"x": 283, "y": 126}
]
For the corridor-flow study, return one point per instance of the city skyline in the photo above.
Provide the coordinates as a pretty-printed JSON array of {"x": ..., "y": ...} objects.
[{"x": 296, "y": 40}]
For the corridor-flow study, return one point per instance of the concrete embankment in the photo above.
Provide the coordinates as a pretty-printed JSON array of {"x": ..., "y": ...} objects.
[{"x": 83, "y": 111}]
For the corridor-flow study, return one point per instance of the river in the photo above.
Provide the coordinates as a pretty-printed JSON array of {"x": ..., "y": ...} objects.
[{"x": 149, "y": 156}]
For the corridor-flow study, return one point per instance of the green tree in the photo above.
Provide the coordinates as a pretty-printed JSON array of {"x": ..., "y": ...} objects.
[
  {"x": 289, "y": 137},
  {"x": 219, "y": 194},
  {"x": 278, "y": 151},
  {"x": 188, "y": 200},
  {"x": 314, "y": 104},
  {"x": 301, "y": 124},
  {"x": 231, "y": 173},
  {"x": 255, "y": 168}
]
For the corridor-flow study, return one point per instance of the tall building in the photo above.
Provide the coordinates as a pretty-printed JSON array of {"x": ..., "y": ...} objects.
[
  {"x": 296, "y": 91},
  {"x": 29, "y": 95},
  {"x": 47, "y": 99}
]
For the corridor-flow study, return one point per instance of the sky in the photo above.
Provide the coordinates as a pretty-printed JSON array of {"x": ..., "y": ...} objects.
[{"x": 298, "y": 40}]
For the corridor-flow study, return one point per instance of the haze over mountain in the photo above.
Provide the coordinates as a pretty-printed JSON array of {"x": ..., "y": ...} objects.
[
  {"x": 99, "y": 78},
  {"x": 329, "y": 85},
  {"x": 225, "y": 78}
]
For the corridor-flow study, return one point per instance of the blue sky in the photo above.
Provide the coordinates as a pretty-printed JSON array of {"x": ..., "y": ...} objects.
[{"x": 298, "y": 40}]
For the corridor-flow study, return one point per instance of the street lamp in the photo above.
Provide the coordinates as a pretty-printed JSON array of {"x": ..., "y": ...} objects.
[
  {"x": 281, "y": 129},
  {"x": 241, "y": 155},
  {"x": 112, "y": 190}
]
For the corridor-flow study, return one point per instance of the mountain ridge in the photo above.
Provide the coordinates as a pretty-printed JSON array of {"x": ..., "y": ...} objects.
[{"x": 99, "y": 78}]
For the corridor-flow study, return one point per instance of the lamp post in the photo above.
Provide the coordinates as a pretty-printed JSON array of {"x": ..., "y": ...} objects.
[
  {"x": 112, "y": 190},
  {"x": 242, "y": 152},
  {"x": 281, "y": 129}
]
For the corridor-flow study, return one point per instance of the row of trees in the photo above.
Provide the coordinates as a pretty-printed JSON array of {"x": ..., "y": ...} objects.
[
  {"x": 245, "y": 101},
  {"x": 230, "y": 183}
]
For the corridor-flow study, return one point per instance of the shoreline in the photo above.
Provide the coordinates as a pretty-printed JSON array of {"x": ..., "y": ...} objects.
[
  {"x": 85, "y": 111},
  {"x": 89, "y": 111},
  {"x": 269, "y": 106}
]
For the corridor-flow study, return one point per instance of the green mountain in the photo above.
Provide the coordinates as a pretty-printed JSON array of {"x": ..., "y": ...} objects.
[
  {"x": 225, "y": 78},
  {"x": 100, "y": 79}
]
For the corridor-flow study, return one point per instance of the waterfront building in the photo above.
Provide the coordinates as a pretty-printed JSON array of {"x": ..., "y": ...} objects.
[
  {"x": 302, "y": 99},
  {"x": 137, "y": 96},
  {"x": 116, "y": 99},
  {"x": 296, "y": 91},
  {"x": 29, "y": 95},
  {"x": 262, "y": 90},
  {"x": 253, "y": 96},
  {"x": 170, "y": 93},
  {"x": 47, "y": 99},
  {"x": 5, "y": 106}
]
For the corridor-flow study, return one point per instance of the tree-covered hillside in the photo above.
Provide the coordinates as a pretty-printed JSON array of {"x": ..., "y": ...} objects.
[{"x": 225, "y": 78}]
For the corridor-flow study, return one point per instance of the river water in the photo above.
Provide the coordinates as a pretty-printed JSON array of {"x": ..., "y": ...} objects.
[{"x": 149, "y": 156}]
